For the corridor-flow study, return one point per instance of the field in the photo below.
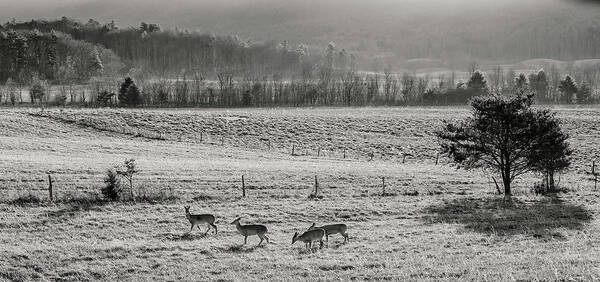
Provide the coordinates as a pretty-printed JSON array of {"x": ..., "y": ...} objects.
[{"x": 435, "y": 222}]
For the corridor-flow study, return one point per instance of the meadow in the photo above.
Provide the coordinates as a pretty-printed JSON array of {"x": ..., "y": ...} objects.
[{"x": 435, "y": 222}]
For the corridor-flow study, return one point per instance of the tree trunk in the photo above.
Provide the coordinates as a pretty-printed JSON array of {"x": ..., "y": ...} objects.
[
  {"x": 506, "y": 181},
  {"x": 551, "y": 180}
]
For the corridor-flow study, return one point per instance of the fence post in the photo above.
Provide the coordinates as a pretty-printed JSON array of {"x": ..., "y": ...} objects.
[
  {"x": 595, "y": 175},
  {"x": 383, "y": 185},
  {"x": 243, "y": 187},
  {"x": 201, "y": 136},
  {"x": 222, "y": 140},
  {"x": 50, "y": 187},
  {"x": 316, "y": 185},
  {"x": 344, "y": 153},
  {"x": 437, "y": 157},
  {"x": 293, "y": 149}
]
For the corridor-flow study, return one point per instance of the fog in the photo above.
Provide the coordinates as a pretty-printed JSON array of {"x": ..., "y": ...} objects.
[{"x": 460, "y": 30}]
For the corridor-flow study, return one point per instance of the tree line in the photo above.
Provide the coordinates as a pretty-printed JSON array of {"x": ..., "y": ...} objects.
[{"x": 147, "y": 66}]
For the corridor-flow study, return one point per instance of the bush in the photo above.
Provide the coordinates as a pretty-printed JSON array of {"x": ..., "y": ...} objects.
[{"x": 112, "y": 190}]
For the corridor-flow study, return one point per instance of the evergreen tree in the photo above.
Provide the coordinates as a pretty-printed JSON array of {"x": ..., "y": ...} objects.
[
  {"x": 134, "y": 94},
  {"x": 550, "y": 151},
  {"x": 539, "y": 85},
  {"x": 129, "y": 94},
  {"x": 477, "y": 83},
  {"x": 567, "y": 89}
]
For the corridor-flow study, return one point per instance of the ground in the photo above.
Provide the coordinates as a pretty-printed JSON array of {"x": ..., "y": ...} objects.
[{"x": 435, "y": 222}]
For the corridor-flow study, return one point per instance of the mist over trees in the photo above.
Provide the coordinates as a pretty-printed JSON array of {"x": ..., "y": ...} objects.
[
  {"x": 452, "y": 32},
  {"x": 68, "y": 62}
]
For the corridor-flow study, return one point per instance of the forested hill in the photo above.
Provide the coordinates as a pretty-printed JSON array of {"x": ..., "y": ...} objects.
[
  {"x": 454, "y": 32},
  {"x": 158, "y": 53}
]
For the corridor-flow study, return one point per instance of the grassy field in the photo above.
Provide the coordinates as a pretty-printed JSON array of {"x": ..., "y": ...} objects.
[{"x": 437, "y": 223}]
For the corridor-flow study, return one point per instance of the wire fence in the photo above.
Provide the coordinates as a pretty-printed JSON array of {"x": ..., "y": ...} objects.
[{"x": 55, "y": 186}]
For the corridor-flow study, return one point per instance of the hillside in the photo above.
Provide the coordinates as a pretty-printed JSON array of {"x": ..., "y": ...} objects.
[{"x": 455, "y": 32}]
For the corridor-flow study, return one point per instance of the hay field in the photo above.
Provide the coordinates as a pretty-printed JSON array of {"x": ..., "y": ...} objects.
[{"x": 437, "y": 223}]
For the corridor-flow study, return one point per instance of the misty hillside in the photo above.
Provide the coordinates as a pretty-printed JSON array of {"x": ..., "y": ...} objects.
[{"x": 453, "y": 32}]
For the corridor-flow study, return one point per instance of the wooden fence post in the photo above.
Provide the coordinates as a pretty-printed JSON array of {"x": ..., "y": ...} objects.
[
  {"x": 201, "y": 136},
  {"x": 243, "y": 187},
  {"x": 293, "y": 149},
  {"x": 404, "y": 158},
  {"x": 344, "y": 153},
  {"x": 437, "y": 157},
  {"x": 594, "y": 174},
  {"x": 316, "y": 185},
  {"x": 50, "y": 187},
  {"x": 383, "y": 186}
]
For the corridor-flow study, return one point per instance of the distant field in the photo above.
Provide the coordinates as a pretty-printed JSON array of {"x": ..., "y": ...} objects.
[{"x": 439, "y": 223}]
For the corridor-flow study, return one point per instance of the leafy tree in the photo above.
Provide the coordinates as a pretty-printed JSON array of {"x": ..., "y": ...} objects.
[
  {"x": 567, "y": 89},
  {"x": 503, "y": 134},
  {"x": 128, "y": 170},
  {"x": 96, "y": 67}
]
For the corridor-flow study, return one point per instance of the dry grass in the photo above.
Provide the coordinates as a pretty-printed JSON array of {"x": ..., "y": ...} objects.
[{"x": 438, "y": 223}]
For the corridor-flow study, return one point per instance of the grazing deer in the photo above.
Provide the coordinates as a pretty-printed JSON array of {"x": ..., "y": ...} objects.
[
  {"x": 197, "y": 219},
  {"x": 251, "y": 229},
  {"x": 310, "y": 236},
  {"x": 332, "y": 229}
]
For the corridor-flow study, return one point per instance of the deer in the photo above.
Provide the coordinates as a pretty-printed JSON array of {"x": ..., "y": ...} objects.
[
  {"x": 332, "y": 229},
  {"x": 310, "y": 236},
  {"x": 251, "y": 229},
  {"x": 197, "y": 219}
]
